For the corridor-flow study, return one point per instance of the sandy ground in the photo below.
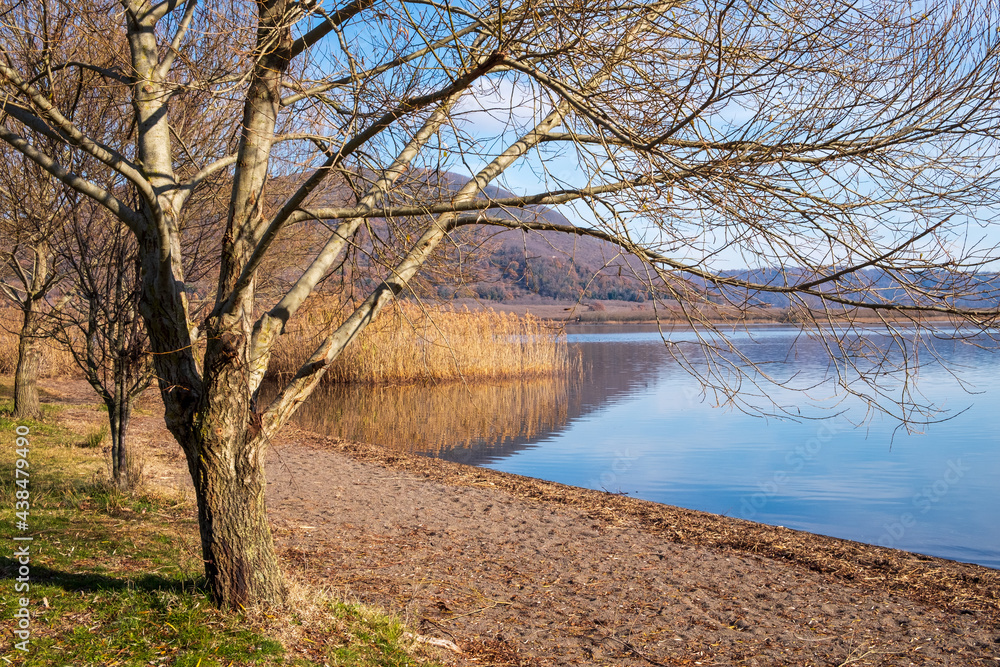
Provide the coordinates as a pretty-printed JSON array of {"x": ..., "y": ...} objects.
[
  {"x": 520, "y": 572},
  {"x": 516, "y": 571}
]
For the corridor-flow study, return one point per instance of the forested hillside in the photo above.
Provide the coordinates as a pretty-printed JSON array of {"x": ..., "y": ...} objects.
[{"x": 512, "y": 265}]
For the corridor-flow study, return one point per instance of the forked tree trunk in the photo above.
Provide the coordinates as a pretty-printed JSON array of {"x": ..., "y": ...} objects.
[
  {"x": 209, "y": 411},
  {"x": 29, "y": 364},
  {"x": 224, "y": 454}
]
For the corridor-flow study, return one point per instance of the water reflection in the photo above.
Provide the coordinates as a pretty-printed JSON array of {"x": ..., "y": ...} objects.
[
  {"x": 635, "y": 422},
  {"x": 473, "y": 423},
  {"x": 482, "y": 423}
]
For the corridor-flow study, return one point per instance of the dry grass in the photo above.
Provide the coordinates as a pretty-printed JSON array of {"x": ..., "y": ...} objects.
[
  {"x": 8, "y": 352},
  {"x": 411, "y": 344},
  {"x": 56, "y": 360},
  {"x": 407, "y": 344},
  {"x": 119, "y": 574}
]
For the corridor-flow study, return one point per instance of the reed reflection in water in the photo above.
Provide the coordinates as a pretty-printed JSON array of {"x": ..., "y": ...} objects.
[
  {"x": 480, "y": 423},
  {"x": 450, "y": 420}
]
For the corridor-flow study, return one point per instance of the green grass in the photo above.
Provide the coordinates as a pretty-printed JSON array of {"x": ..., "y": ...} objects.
[
  {"x": 116, "y": 580},
  {"x": 96, "y": 437}
]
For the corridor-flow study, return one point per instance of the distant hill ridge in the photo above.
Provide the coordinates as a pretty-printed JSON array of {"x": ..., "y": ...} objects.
[{"x": 512, "y": 264}]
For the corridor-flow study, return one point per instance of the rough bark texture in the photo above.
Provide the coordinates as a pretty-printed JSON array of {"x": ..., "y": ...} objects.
[
  {"x": 119, "y": 416},
  {"x": 29, "y": 364},
  {"x": 240, "y": 561}
]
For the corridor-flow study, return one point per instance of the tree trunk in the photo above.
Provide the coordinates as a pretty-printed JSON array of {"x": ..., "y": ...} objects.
[
  {"x": 225, "y": 452},
  {"x": 240, "y": 561},
  {"x": 29, "y": 363},
  {"x": 210, "y": 414},
  {"x": 119, "y": 416}
]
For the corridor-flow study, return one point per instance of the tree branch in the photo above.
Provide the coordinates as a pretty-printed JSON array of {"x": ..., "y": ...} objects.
[
  {"x": 81, "y": 185},
  {"x": 160, "y": 74},
  {"x": 282, "y": 217},
  {"x": 72, "y": 135}
]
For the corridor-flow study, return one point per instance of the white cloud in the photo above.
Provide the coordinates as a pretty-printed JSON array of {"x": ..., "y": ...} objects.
[{"x": 498, "y": 106}]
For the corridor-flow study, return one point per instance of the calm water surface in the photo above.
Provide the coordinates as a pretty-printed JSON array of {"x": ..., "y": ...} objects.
[{"x": 637, "y": 423}]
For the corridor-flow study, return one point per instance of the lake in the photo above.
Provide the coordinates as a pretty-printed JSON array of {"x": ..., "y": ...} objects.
[{"x": 634, "y": 421}]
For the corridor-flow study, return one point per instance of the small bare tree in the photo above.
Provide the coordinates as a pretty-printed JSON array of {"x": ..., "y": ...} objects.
[
  {"x": 813, "y": 141},
  {"x": 32, "y": 208},
  {"x": 99, "y": 321}
]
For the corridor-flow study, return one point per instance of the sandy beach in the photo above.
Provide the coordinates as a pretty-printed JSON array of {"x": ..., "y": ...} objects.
[
  {"x": 516, "y": 571},
  {"x": 520, "y": 572}
]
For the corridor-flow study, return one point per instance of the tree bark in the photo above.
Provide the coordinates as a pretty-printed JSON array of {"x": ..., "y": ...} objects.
[
  {"x": 223, "y": 440},
  {"x": 119, "y": 416},
  {"x": 29, "y": 364},
  {"x": 240, "y": 560},
  {"x": 213, "y": 420}
]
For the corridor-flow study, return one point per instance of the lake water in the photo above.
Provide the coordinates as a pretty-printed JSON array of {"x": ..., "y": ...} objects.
[{"x": 635, "y": 422}]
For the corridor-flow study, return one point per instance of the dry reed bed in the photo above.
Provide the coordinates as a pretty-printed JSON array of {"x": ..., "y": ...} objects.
[
  {"x": 464, "y": 413},
  {"x": 409, "y": 343}
]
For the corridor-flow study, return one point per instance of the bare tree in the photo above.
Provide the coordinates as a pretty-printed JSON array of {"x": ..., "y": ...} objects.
[
  {"x": 99, "y": 321},
  {"x": 32, "y": 207},
  {"x": 813, "y": 141}
]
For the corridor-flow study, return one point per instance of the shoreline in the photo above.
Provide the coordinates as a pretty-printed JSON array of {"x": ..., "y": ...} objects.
[
  {"x": 518, "y": 571},
  {"x": 970, "y": 586},
  {"x": 564, "y": 575}
]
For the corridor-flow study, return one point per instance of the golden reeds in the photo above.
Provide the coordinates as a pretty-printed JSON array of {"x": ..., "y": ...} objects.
[
  {"x": 452, "y": 416},
  {"x": 56, "y": 360},
  {"x": 409, "y": 343}
]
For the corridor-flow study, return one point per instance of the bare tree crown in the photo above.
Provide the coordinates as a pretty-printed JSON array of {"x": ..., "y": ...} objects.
[{"x": 819, "y": 143}]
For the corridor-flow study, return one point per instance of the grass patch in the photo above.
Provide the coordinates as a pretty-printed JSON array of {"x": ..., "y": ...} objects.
[
  {"x": 376, "y": 637},
  {"x": 116, "y": 580},
  {"x": 45, "y": 424},
  {"x": 95, "y": 438}
]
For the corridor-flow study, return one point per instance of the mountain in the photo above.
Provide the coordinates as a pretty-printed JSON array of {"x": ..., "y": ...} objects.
[
  {"x": 505, "y": 264},
  {"x": 488, "y": 262}
]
